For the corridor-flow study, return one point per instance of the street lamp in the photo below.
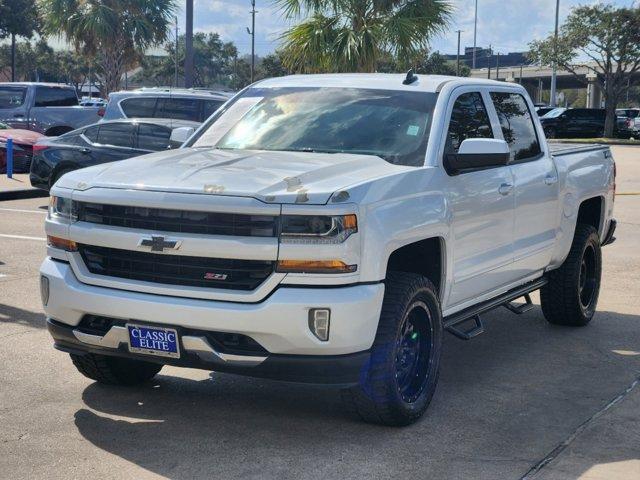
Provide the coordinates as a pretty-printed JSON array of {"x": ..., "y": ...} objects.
[
  {"x": 188, "y": 47},
  {"x": 252, "y": 32},
  {"x": 475, "y": 28},
  {"x": 555, "y": 53}
]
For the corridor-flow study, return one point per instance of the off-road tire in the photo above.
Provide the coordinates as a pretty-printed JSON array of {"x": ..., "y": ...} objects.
[
  {"x": 114, "y": 370},
  {"x": 561, "y": 297},
  {"x": 378, "y": 398}
]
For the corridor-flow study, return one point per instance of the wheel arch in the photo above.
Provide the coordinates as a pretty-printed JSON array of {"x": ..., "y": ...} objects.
[
  {"x": 591, "y": 212},
  {"x": 426, "y": 257}
]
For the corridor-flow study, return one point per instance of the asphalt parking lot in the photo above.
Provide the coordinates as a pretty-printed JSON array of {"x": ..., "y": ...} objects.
[{"x": 526, "y": 399}]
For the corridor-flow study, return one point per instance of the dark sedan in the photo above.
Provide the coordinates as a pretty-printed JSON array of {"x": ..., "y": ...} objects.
[
  {"x": 574, "y": 122},
  {"x": 101, "y": 143}
]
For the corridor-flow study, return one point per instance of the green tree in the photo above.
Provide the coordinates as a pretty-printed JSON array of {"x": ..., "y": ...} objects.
[
  {"x": 602, "y": 40},
  {"x": 351, "y": 35},
  {"x": 116, "y": 32},
  {"x": 18, "y": 18},
  {"x": 272, "y": 66}
]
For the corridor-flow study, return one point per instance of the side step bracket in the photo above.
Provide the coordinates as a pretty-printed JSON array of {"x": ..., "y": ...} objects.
[
  {"x": 520, "y": 309},
  {"x": 468, "y": 334}
]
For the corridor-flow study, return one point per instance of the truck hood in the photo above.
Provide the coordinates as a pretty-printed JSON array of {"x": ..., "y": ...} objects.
[{"x": 271, "y": 176}]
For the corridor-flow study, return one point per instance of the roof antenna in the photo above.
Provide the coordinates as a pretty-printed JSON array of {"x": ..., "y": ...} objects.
[{"x": 410, "y": 78}]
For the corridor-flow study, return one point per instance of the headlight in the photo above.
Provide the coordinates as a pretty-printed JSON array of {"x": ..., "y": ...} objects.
[
  {"x": 62, "y": 210},
  {"x": 317, "y": 228}
]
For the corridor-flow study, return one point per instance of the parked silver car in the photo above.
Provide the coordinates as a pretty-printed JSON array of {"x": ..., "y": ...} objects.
[{"x": 179, "y": 104}]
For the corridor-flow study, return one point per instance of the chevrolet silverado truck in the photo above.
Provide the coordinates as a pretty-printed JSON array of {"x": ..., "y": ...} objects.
[
  {"x": 328, "y": 229},
  {"x": 49, "y": 108}
]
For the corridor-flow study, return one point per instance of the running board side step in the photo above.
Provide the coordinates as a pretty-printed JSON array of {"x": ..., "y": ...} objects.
[{"x": 454, "y": 323}]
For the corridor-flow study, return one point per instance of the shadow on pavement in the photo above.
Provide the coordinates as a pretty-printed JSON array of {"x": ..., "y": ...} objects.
[
  {"x": 20, "y": 316},
  {"x": 504, "y": 401}
]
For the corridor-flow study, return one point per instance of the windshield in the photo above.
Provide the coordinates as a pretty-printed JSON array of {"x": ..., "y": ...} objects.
[
  {"x": 556, "y": 112},
  {"x": 390, "y": 124},
  {"x": 12, "y": 97}
]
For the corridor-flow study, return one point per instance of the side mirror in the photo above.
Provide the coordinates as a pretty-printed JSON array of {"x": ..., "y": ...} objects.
[
  {"x": 180, "y": 135},
  {"x": 477, "y": 154}
]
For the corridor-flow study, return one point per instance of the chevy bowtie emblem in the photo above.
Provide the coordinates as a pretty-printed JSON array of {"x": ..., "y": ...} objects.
[{"x": 159, "y": 244}]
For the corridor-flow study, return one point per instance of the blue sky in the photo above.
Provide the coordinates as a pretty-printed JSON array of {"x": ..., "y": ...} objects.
[{"x": 508, "y": 25}]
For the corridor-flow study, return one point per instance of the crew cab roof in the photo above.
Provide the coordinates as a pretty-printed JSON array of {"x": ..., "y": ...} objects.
[{"x": 381, "y": 81}]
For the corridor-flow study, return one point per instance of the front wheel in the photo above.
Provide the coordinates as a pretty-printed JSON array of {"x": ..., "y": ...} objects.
[
  {"x": 397, "y": 385},
  {"x": 571, "y": 295},
  {"x": 114, "y": 370}
]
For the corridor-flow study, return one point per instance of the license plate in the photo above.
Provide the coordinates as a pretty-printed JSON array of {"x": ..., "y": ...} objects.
[{"x": 153, "y": 341}]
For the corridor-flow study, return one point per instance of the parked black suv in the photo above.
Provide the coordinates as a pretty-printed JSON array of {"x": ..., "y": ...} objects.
[{"x": 574, "y": 123}]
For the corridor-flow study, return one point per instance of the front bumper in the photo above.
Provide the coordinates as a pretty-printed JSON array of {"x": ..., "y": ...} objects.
[
  {"x": 279, "y": 323},
  {"x": 319, "y": 369}
]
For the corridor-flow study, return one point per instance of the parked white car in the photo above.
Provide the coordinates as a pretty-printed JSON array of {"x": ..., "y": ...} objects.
[{"x": 328, "y": 229}]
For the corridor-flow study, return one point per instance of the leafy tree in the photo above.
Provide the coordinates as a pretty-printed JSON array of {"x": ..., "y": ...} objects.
[
  {"x": 602, "y": 40},
  {"x": 423, "y": 62},
  {"x": 215, "y": 63},
  {"x": 272, "y": 66},
  {"x": 18, "y": 18},
  {"x": 352, "y": 35},
  {"x": 114, "y": 31}
]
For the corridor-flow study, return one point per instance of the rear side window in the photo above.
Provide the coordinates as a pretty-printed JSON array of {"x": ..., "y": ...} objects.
[
  {"x": 12, "y": 97},
  {"x": 143, "y": 107},
  {"x": 153, "y": 137},
  {"x": 55, "y": 97},
  {"x": 180, "y": 109},
  {"x": 92, "y": 133},
  {"x": 117, "y": 134},
  {"x": 469, "y": 119},
  {"x": 517, "y": 125}
]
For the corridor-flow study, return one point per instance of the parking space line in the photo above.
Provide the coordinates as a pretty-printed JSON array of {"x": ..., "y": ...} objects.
[
  {"x": 23, "y": 237},
  {"x": 21, "y": 210}
]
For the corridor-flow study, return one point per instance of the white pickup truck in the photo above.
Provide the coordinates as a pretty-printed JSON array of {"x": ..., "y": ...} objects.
[{"x": 327, "y": 229}]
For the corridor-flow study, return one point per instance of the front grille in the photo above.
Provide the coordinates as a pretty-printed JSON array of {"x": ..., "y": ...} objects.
[
  {"x": 230, "y": 274},
  {"x": 182, "y": 221}
]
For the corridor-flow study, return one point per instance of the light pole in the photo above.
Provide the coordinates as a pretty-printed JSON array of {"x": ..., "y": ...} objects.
[
  {"x": 175, "y": 81},
  {"x": 188, "y": 47},
  {"x": 475, "y": 31},
  {"x": 458, "y": 55},
  {"x": 252, "y": 32},
  {"x": 555, "y": 53}
]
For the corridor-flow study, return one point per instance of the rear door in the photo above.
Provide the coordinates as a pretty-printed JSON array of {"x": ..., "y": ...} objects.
[
  {"x": 536, "y": 184},
  {"x": 481, "y": 204}
]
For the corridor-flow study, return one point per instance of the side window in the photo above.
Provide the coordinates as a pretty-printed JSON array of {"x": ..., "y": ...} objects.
[
  {"x": 517, "y": 125},
  {"x": 469, "y": 119},
  {"x": 138, "y": 107},
  {"x": 92, "y": 134},
  {"x": 210, "y": 106},
  {"x": 180, "y": 109},
  {"x": 55, "y": 97},
  {"x": 117, "y": 134},
  {"x": 153, "y": 137}
]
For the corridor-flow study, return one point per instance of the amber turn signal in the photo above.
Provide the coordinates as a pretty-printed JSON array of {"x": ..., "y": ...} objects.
[
  {"x": 315, "y": 266},
  {"x": 62, "y": 243}
]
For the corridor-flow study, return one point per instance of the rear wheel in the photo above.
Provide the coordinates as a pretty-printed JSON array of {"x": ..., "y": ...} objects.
[
  {"x": 400, "y": 379},
  {"x": 114, "y": 370},
  {"x": 571, "y": 296}
]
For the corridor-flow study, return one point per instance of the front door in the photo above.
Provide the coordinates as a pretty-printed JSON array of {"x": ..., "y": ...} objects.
[{"x": 482, "y": 207}]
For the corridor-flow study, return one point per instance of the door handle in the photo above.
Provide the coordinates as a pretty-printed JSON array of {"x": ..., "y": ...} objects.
[
  {"x": 85, "y": 150},
  {"x": 505, "y": 188},
  {"x": 550, "y": 179},
  {"x": 18, "y": 115}
]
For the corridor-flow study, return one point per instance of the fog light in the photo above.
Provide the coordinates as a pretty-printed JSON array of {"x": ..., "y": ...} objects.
[
  {"x": 319, "y": 319},
  {"x": 44, "y": 290}
]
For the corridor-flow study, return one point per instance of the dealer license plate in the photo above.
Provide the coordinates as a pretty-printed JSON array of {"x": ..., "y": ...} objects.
[{"x": 153, "y": 341}]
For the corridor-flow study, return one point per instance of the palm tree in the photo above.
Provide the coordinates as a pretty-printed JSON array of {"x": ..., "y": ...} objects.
[
  {"x": 351, "y": 35},
  {"x": 114, "y": 31}
]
